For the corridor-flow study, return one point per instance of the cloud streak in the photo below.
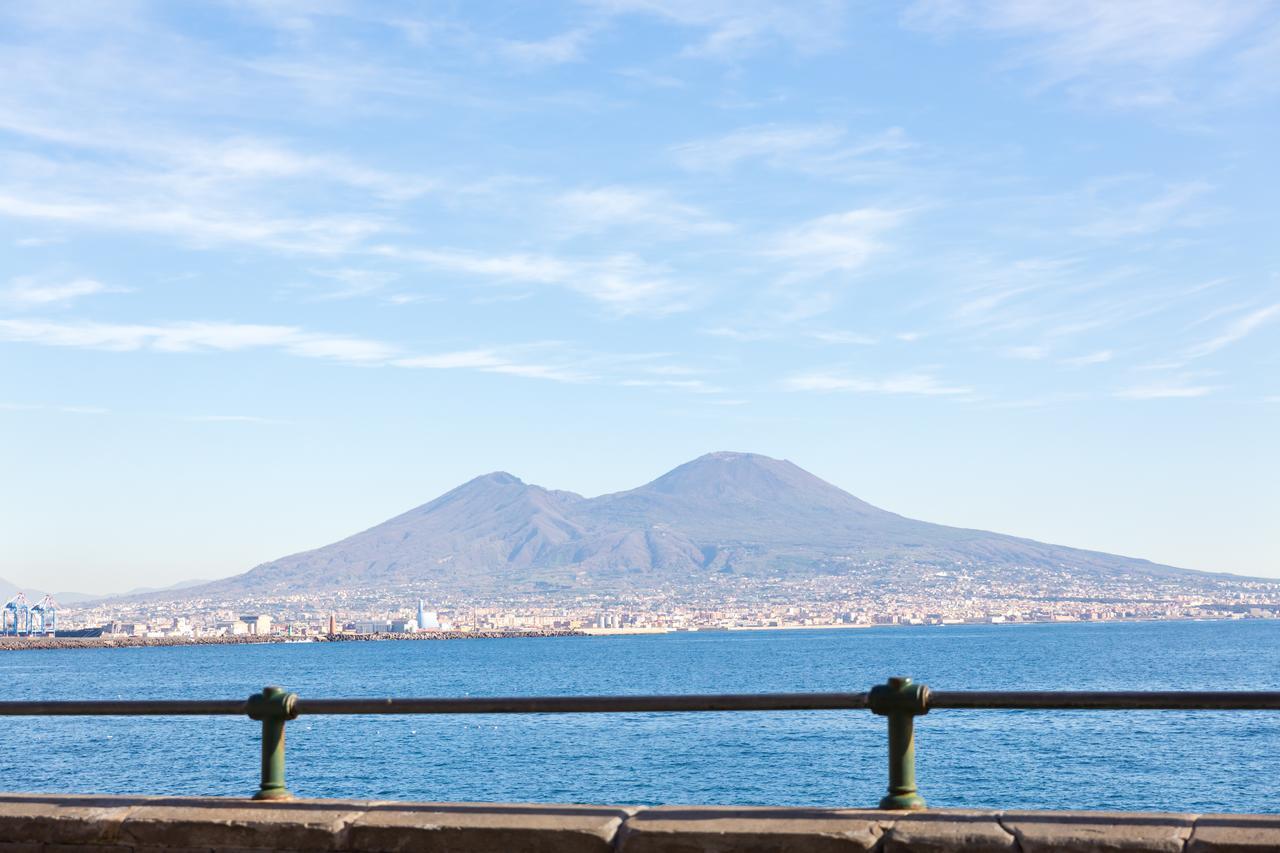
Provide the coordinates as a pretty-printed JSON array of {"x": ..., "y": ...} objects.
[
  {"x": 912, "y": 384},
  {"x": 1236, "y": 331},
  {"x": 838, "y": 242},
  {"x": 28, "y": 292}
]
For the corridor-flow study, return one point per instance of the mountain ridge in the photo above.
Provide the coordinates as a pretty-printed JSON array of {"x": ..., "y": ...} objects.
[{"x": 724, "y": 512}]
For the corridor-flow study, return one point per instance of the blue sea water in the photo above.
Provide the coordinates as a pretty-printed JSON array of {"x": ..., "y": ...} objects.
[{"x": 1158, "y": 760}]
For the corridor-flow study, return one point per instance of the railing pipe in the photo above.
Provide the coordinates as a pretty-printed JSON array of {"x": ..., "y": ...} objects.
[
  {"x": 899, "y": 700},
  {"x": 1108, "y": 700},
  {"x": 673, "y": 703},
  {"x": 125, "y": 708}
]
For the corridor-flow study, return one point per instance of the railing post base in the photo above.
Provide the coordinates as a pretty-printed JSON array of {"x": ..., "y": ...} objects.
[
  {"x": 273, "y": 794},
  {"x": 903, "y": 802}
]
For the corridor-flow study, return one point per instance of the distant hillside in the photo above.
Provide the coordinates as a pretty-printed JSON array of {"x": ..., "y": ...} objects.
[
  {"x": 9, "y": 589},
  {"x": 737, "y": 513}
]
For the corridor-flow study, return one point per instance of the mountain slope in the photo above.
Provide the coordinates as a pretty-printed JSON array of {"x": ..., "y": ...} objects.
[{"x": 724, "y": 512}]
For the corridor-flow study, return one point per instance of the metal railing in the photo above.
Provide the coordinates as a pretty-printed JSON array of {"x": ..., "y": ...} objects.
[{"x": 899, "y": 700}]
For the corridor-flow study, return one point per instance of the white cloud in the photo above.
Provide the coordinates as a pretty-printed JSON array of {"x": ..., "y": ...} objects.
[
  {"x": 547, "y": 361},
  {"x": 696, "y": 386},
  {"x": 812, "y": 149},
  {"x": 911, "y": 384},
  {"x": 736, "y": 27},
  {"x": 28, "y": 292},
  {"x": 1238, "y": 330},
  {"x": 1173, "y": 208},
  {"x": 554, "y": 50},
  {"x": 1099, "y": 357},
  {"x": 230, "y": 419},
  {"x": 202, "y": 226},
  {"x": 606, "y": 207},
  {"x": 493, "y": 361},
  {"x": 839, "y": 242},
  {"x": 1057, "y": 398},
  {"x": 1132, "y": 52},
  {"x": 194, "y": 337},
  {"x": 1027, "y": 352},
  {"x": 771, "y": 143},
  {"x": 622, "y": 282},
  {"x": 1178, "y": 387},
  {"x": 838, "y": 337}
]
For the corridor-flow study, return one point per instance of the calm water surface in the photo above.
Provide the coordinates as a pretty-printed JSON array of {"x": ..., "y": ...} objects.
[{"x": 1160, "y": 760}]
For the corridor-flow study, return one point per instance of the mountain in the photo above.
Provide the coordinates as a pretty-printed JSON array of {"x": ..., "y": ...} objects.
[
  {"x": 9, "y": 589},
  {"x": 730, "y": 513}
]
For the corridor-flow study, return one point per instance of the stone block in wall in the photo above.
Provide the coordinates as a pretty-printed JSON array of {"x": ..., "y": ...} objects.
[
  {"x": 1099, "y": 832},
  {"x": 672, "y": 829},
  {"x": 1235, "y": 834},
  {"x": 947, "y": 832},
  {"x": 220, "y": 824},
  {"x": 485, "y": 828},
  {"x": 61, "y": 818}
]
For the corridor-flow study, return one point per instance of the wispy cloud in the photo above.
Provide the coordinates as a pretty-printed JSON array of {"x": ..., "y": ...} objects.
[
  {"x": 622, "y": 282},
  {"x": 1185, "y": 386},
  {"x": 838, "y": 337},
  {"x": 839, "y": 242},
  {"x": 598, "y": 209},
  {"x": 696, "y": 386},
  {"x": 513, "y": 363},
  {"x": 1099, "y": 357},
  {"x": 1133, "y": 53},
  {"x": 553, "y": 50},
  {"x": 730, "y": 30},
  {"x": 194, "y": 337},
  {"x": 1027, "y": 352},
  {"x": 30, "y": 292},
  {"x": 551, "y": 361},
  {"x": 811, "y": 149},
  {"x": 230, "y": 419},
  {"x": 201, "y": 225},
  {"x": 1174, "y": 207},
  {"x": 921, "y": 384},
  {"x": 1236, "y": 331}
]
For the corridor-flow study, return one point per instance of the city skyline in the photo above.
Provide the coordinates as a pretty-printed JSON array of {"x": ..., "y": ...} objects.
[{"x": 272, "y": 273}]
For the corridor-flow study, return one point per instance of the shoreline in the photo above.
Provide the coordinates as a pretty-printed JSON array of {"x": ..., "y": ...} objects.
[
  {"x": 862, "y": 626},
  {"x": 17, "y": 644},
  {"x": 22, "y": 644}
]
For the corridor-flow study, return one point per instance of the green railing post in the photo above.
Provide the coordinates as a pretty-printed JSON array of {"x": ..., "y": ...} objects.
[
  {"x": 274, "y": 706},
  {"x": 901, "y": 702}
]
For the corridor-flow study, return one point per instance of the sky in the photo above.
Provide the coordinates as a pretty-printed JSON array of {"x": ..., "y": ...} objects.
[{"x": 272, "y": 272}]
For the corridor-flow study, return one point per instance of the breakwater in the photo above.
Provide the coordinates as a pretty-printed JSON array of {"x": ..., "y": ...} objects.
[{"x": 14, "y": 644}]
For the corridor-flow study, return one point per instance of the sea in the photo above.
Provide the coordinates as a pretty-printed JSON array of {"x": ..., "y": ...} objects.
[{"x": 1133, "y": 760}]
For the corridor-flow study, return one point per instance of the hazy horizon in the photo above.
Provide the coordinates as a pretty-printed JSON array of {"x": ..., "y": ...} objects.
[{"x": 274, "y": 273}]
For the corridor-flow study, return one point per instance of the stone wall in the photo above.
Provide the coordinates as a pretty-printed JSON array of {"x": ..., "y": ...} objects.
[{"x": 48, "y": 822}]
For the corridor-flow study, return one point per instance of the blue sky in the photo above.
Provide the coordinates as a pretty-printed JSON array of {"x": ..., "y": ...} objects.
[{"x": 271, "y": 272}]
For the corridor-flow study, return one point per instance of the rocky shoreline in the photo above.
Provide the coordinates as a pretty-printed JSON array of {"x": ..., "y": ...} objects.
[{"x": 17, "y": 644}]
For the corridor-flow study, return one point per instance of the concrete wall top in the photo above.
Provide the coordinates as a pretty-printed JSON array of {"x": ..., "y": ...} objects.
[{"x": 54, "y": 822}]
